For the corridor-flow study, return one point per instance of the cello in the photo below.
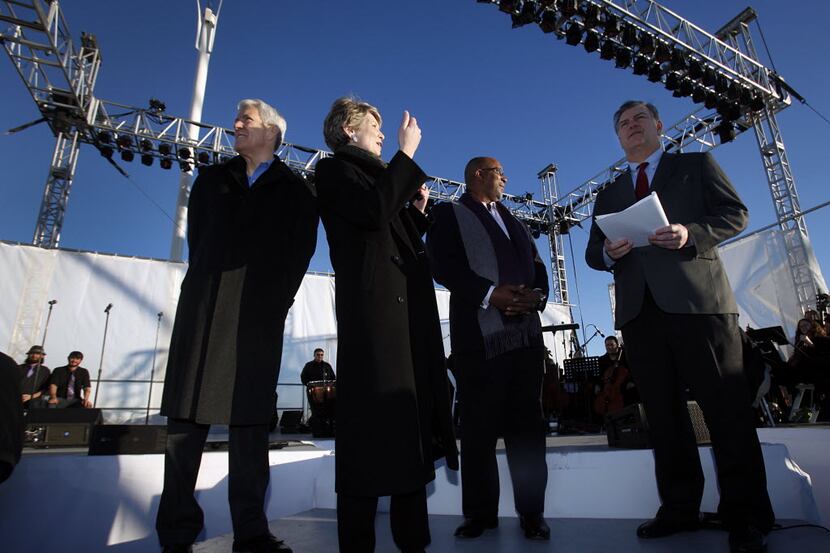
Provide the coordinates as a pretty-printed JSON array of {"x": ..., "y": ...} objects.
[{"x": 610, "y": 398}]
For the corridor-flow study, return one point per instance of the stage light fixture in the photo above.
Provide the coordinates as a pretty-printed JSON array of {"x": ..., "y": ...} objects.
[
  {"x": 574, "y": 34},
  {"x": 687, "y": 87},
  {"x": 695, "y": 69},
  {"x": 124, "y": 141},
  {"x": 508, "y": 6},
  {"x": 734, "y": 91},
  {"x": 729, "y": 111},
  {"x": 185, "y": 166},
  {"x": 104, "y": 137},
  {"x": 164, "y": 149},
  {"x": 608, "y": 50},
  {"x": 699, "y": 95},
  {"x": 145, "y": 145},
  {"x": 157, "y": 105},
  {"x": 745, "y": 98},
  {"x": 611, "y": 25},
  {"x": 549, "y": 21},
  {"x": 165, "y": 163},
  {"x": 721, "y": 84},
  {"x": 678, "y": 60},
  {"x": 726, "y": 132},
  {"x": 591, "y": 41},
  {"x": 204, "y": 158},
  {"x": 646, "y": 44},
  {"x": 146, "y": 159},
  {"x": 711, "y": 101},
  {"x": 107, "y": 152},
  {"x": 629, "y": 35},
  {"x": 591, "y": 16},
  {"x": 185, "y": 153},
  {"x": 528, "y": 14},
  {"x": 709, "y": 76},
  {"x": 654, "y": 73},
  {"x": 623, "y": 58},
  {"x": 662, "y": 54},
  {"x": 757, "y": 103},
  {"x": 127, "y": 155},
  {"x": 640, "y": 65},
  {"x": 672, "y": 81},
  {"x": 568, "y": 7}
]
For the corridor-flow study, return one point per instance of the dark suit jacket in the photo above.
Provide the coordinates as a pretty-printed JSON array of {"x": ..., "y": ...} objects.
[
  {"x": 467, "y": 288},
  {"x": 695, "y": 193}
]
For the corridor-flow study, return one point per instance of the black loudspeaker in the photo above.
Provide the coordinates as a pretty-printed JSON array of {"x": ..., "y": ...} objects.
[
  {"x": 59, "y": 427},
  {"x": 127, "y": 439},
  {"x": 629, "y": 428},
  {"x": 70, "y": 415},
  {"x": 291, "y": 422}
]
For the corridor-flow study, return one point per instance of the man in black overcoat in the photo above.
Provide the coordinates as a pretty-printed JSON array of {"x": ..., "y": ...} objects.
[
  {"x": 679, "y": 321},
  {"x": 252, "y": 229},
  {"x": 488, "y": 261}
]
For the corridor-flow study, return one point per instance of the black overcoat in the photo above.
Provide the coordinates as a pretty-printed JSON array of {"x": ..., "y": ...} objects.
[
  {"x": 249, "y": 248},
  {"x": 393, "y": 409}
]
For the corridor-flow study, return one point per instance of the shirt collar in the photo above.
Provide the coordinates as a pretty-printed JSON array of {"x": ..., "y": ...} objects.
[
  {"x": 261, "y": 168},
  {"x": 652, "y": 160}
]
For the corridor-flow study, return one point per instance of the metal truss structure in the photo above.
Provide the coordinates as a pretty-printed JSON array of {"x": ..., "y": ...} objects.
[{"x": 721, "y": 71}]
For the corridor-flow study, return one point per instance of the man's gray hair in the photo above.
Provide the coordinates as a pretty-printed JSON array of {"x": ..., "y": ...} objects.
[
  {"x": 632, "y": 104},
  {"x": 269, "y": 115}
]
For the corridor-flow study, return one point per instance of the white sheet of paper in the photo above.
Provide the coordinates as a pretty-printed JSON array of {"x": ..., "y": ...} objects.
[{"x": 636, "y": 222}]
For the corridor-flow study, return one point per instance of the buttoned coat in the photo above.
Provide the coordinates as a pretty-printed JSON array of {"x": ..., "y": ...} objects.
[
  {"x": 696, "y": 193},
  {"x": 393, "y": 416},
  {"x": 249, "y": 248}
]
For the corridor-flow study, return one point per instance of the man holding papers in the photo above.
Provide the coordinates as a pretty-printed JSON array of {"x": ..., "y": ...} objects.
[{"x": 678, "y": 318}]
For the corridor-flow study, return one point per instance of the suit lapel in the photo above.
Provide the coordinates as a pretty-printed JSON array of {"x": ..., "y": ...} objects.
[{"x": 665, "y": 170}]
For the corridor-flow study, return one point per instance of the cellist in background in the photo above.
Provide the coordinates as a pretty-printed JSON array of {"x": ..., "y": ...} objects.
[{"x": 616, "y": 388}]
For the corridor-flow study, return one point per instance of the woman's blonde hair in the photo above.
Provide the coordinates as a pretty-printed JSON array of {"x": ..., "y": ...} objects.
[{"x": 346, "y": 112}]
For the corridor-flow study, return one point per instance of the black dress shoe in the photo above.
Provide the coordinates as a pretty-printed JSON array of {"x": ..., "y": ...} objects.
[
  {"x": 747, "y": 539},
  {"x": 473, "y": 527},
  {"x": 661, "y": 527},
  {"x": 178, "y": 548},
  {"x": 261, "y": 544},
  {"x": 535, "y": 527}
]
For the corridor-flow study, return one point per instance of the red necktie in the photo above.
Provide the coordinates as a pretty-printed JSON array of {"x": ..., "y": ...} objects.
[{"x": 641, "y": 189}]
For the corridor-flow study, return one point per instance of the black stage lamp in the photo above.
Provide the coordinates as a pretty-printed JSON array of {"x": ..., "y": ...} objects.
[
  {"x": 746, "y": 97},
  {"x": 185, "y": 166},
  {"x": 548, "y": 23},
  {"x": 124, "y": 141},
  {"x": 640, "y": 65},
  {"x": 204, "y": 158},
  {"x": 699, "y": 95},
  {"x": 687, "y": 87},
  {"x": 611, "y": 25},
  {"x": 185, "y": 153},
  {"x": 757, "y": 103},
  {"x": 591, "y": 41},
  {"x": 654, "y": 73},
  {"x": 508, "y": 6},
  {"x": 729, "y": 111},
  {"x": 146, "y": 159},
  {"x": 726, "y": 132},
  {"x": 107, "y": 152},
  {"x": 662, "y": 54},
  {"x": 734, "y": 91},
  {"x": 646, "y": 44},
  {"x": 623, "y": 58},
  {"x": 629, "y": 35},
  {"x": 528, "y": 14},
  {"x": 166, "y": 163},
  {"x": 711, "y": 101},
  {"x": 164, "y": 149},
  {"x": 608, "y": 50},
  {"x": 709, "y": 76},
  {"x": 695, "y": 69},
  {"x": 672, "y": 81},
  {"x": 721, "y": 84},
  {"x": 574, "y": 34},
  {"x": 568, "y": 7},
  {"x": 105, "y": 137},
  {"x": 157, "y": 105},
  {"x": 127, "y": 155},
  {"x": 145, "y": 145},
  {"x": 591, "y": 16},
  {"x": 678, "y": 60}
]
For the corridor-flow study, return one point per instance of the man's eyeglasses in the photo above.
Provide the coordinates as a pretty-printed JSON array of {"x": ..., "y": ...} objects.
[{"x": 497, "y": 170}]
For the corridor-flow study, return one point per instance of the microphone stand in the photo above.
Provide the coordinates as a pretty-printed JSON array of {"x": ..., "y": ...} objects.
[
  {"x": 153, "y": 367},
  {"x": 101, "y": 362},
  {"x": 46, "y": 327}
]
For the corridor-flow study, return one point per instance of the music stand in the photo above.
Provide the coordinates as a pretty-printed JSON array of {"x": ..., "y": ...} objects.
[
  {"x": 581, "y": 369},
  {"x": 774, "y": 334}
]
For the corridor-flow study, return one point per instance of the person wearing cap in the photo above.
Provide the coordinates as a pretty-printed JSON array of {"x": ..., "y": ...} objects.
[
  {"x": 69, "y": 386},
  {"x": 34, "y": 377}
]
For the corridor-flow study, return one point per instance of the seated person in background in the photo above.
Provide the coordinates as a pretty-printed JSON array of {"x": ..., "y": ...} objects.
[
  {"x": 34, "y": 377},
  {"x": 616, "y": 388},
  {"x": 317, "y": 369},
  {"x": 11, "y": 416},
  {"x": 69, "y": 385}
]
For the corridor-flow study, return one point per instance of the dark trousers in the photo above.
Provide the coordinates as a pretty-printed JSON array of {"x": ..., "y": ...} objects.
[
  {"x": 180, "y": 519},
  {"x": 666, "y": 353},
  {"x": 502, "y": 397},
  {"x": 407, "y": 514}
]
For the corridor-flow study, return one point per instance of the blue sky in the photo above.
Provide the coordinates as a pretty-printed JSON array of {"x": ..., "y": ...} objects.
[{"x": 476, "y": 86}]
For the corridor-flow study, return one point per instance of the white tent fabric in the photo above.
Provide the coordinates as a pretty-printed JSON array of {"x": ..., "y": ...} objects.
[{"x": 84, "y": 283}]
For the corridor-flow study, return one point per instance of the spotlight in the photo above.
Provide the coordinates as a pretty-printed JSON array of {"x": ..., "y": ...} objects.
[
  {"x": 672, "y": 81},
  {"x": 729, "y": 111},
  {"x": 721, "y": 84},
  {"x": 127, "y": 155},
  {"x": 528, "y": 14},
  {"x": 711, "y": 101},
  {"x": 746, "y": 97},
  {"x": 629, "y": 35},
  {"x": 699, "y": 95},
  {"x": 623, "y": 58},
  {"x": 591, "y": 16},
  {"x": 184, "y": 153},
  {"x": 608, "y": 50},
  {"x": 124, "y": 141},
  {"x": 757, "y": 103},
  {"x": 549, "y": 22},
  {"x": 165, "y": 163},
  {"x": 157, "y": 105},
  {"x": 107, "y": 152},
  {"x": 185, "y": 166},
  {"x": 640, "y": 65},
  {"x": 726, "y": 132},
  {"x": 654, "y": 73},
  {"x": 678, "y": 60},
  {"x": 105, "y": 137},
  {"x": 146, "y": 159},
  {"x": 611, "y": 25},
  {"x": 528, "y": 196},
  {"x": 695, "y": 69},
  {"x": 508, "y": 6},
  {"x": 204, "y": 158},
  {"x": 734, "y": 91},
  {"x": 568, "y": 7},
  {"x": 646, "y": 44},
  {"x": 686, "y": 87},
  {"x": 574, "y": 34},
  {"x": 591, "y": 41},
  {"x": 145, "y": 145},
  {"x": 164, "y": 149},
  {"x": 662, "y": 54}
]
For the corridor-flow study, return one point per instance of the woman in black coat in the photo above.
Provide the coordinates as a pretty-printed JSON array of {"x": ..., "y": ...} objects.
[{"x": 393, "y": 405}]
